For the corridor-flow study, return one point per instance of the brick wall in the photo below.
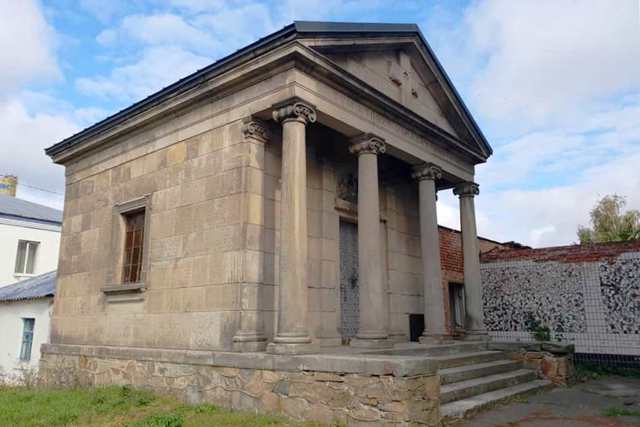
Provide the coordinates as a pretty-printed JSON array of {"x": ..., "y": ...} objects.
[
  {"x": 452, "y": 261},
  {"x": 568, "y": 254}
]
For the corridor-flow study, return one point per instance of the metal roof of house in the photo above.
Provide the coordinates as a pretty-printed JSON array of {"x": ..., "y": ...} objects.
[
  {"x": 308, "y": 28},
  {"x": 18, "y": 208},
  {"x": 40, "y": 286}
]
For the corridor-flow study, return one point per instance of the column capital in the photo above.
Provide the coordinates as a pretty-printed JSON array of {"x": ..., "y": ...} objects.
[
  {"x": 466, "y": 189},
  {"x": 367, "y": 143},
  {"x": 426, "y": 171},
  {"x": 255, "y": 129},
  {"x": 294, "y": 109}
]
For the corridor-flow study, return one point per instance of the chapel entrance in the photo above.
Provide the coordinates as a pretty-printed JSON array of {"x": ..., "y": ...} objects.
[
  {"x": 456, "y": 307},
  {"x": 349, "y": 287}
]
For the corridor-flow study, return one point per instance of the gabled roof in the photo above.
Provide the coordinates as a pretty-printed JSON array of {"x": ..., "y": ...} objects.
[
  {"x": 298, "y": 29},
  {"x": 21, "y": 209},
  {"x": 40, "y": 286}
]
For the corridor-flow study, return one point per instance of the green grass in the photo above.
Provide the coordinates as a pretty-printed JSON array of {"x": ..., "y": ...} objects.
[
  {"x": 586, "y": 371},
  {"x": 620, "y": 412},
  {"x": 116, "y": 406}
]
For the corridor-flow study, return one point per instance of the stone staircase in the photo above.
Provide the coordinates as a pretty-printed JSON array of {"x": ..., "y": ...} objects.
[{"x": 473, "y": 377}]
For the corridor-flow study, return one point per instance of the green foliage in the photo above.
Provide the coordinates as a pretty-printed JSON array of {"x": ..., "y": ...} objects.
[
  {"x": 620, "y": 412},
  {"x": 117, "y": 406},
  {"x": 586, "y": 371},
  {"x": 609, "y": 223},
  {"x": 539, "y": 331},
  {"x": 169, "y": 419}
]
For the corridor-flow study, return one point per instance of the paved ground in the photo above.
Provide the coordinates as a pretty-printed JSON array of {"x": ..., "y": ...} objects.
[{"x": 582, "y": 405}]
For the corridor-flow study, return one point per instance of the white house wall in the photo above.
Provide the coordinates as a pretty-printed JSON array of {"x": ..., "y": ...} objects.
[
  {"x": 46, "y": 257},
  {"x": 11, "y": 328}
]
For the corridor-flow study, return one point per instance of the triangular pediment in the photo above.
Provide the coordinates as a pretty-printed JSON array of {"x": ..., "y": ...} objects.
[
  {"x": 405, "y": 70},
  {"x": 393, "y": 73}
]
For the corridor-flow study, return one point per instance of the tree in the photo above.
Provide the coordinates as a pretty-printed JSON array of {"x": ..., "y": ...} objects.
[{"x": 609, "y": 223}]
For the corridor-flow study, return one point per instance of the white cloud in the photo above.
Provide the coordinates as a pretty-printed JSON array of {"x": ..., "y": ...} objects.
[
  {"x": 236, "y": 27},
  {"x": 158, "y": 67},
  {"x": 26, "y": 46},
  {"x": 197, "y": 6},
  {"x": 551, "y": 60},
  {"x": 23, "y": 139},
  {"x": 158, "y": 29},
  {"x": 556, "y": 86},
  {"x": 104, "y": 11},
  {"x": 528, "y": 216}
]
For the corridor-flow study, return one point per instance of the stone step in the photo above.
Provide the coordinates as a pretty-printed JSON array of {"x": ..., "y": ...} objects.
[
  {"x": 465, "y": 407},
  {"x": 456, "y": 348},
  {"x": 467, "y": 372},
  {"x": 473, "y": 358},
  {"x": 468, "y": 388}
]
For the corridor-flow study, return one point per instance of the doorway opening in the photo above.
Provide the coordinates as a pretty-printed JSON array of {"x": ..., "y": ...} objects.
[
  {"x": 349, "y": 285},
  {"x": 456, "y": 308}
]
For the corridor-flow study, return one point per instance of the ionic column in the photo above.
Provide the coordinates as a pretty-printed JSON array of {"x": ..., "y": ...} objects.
[
  {"x": 433, "y": 296},
  {"x": 251, "y": 336},
  {"x": 292, "y": 336},
  {"x": 373, "y": 321},
  {"x": 474, "y": 322}
]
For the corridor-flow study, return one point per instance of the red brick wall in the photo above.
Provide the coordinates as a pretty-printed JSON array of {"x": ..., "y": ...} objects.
[
  {"x": 570, "y": 254},
  {"x": 453, "y": 263}
]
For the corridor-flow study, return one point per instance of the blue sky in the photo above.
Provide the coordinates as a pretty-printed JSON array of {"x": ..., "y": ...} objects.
[{"x": 554, "y": 84}]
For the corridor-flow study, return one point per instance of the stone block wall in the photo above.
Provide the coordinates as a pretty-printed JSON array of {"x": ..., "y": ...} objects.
[
  {"x": 368, "y": 399},
  {"x": 211, "y": 228},
  {"x": 588, "y": 295},
  {"x": 196, "y": 247},
  {"x": 404, "y": 256}
]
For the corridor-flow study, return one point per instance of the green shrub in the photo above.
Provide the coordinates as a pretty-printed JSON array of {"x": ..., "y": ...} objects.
[{"x": 168, "y": 419}]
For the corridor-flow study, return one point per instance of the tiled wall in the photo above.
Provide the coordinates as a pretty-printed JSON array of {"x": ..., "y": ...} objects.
[{"x": 586, "y": 296}]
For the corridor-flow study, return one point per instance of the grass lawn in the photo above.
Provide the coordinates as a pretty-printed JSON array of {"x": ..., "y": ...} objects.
[{"x": 116, "y": 406}]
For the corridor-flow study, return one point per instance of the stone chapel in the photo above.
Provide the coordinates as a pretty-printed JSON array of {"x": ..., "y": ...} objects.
[{"x": 281, "y": 201}]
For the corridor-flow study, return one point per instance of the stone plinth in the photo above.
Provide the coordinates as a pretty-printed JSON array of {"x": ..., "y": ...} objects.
[
  {"x": 552, "y": 361},
  {"x": 351, "y": 389}
]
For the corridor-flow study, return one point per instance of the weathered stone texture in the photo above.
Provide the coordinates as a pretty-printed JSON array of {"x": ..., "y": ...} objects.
[{"x": 351, "y": 399}]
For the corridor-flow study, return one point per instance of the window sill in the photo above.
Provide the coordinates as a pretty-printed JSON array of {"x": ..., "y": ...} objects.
[
  {"x": 124, "y": 292},
  {"x": 23, "y": 275}
]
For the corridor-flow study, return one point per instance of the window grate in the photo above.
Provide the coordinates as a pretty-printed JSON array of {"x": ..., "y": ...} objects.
[{"x": 133, "y": 246}]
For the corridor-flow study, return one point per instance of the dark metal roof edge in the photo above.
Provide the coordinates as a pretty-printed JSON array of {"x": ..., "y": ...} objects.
[
  {"x": 301, "y": 27},
  {"x": 10, "y": 300},
  {"x": 30, "y": 219},
  {"x": 160, "y": 95},
  {"x": 329, "y": 27},
  {"x": 455, "y": 92}
]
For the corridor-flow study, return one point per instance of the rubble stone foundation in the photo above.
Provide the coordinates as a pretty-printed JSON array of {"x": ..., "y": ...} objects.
[{"x": 321, "y": 388}]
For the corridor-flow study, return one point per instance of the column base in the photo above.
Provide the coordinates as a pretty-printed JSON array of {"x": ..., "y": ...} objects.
[
  {"x": 435, "y": 339},
  {"x": 382, "y": 343},
  {"x": 249, "y": 342},
  {"x": 292, "y": 343}
]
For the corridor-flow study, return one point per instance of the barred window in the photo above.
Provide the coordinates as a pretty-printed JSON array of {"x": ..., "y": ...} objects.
[{"x": 133, "y": 246}]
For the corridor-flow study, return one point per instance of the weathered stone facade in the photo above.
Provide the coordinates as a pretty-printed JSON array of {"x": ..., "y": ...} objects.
[{"x": 243, "y": 172}]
